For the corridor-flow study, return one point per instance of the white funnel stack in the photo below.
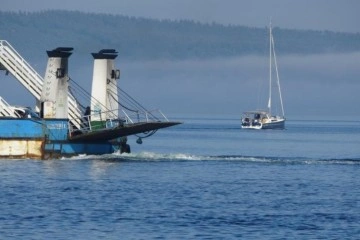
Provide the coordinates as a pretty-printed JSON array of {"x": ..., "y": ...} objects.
[
  {"x": 104, "y": 94},
  {"x": 54, "y": 95}
]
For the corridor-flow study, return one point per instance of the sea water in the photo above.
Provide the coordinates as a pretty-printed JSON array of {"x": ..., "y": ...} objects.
[{"x": 204, "y": 179}]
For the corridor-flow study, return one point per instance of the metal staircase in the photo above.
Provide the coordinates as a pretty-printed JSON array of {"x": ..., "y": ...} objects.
[
  {"x": 11, "y": 60},
  {"x": 5, "y": 109}
]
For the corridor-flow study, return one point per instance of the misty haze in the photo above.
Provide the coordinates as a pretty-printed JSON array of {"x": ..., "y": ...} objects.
[
  {"x": 313, "y": 85},
  {"x": 320, "y": 85}
]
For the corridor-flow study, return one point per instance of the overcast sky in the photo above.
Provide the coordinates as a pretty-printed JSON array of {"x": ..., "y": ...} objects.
[{"x": 335, "y": 15}]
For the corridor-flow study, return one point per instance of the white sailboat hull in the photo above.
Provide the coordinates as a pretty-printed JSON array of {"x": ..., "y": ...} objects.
[
  {"x": 262, "y": 120},
  {"x": 274, "y": 124}
]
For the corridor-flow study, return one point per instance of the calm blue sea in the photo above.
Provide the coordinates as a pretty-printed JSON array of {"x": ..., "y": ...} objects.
[{"x": 205, "y": 179}]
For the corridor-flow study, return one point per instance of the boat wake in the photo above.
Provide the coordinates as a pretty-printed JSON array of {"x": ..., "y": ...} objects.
[{"x": 152, "y": 156}]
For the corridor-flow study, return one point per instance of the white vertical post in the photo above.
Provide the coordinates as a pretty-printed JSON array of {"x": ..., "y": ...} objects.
[
  {"x": 104, "y": 95},
  {"x": 54, "y": 95}
]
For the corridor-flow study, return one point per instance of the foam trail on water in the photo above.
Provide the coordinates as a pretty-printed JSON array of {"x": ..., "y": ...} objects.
[{"x": 153, "y": 156}]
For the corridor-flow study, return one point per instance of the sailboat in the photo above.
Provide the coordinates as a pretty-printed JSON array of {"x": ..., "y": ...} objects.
[{"x": 266, "y": 119}]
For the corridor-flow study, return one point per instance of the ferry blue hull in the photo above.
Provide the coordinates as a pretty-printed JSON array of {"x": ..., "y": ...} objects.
[{"x": 45, "y": 139}]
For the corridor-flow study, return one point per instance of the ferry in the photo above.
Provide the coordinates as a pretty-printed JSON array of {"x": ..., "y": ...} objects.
[{"x": 60, "y": 125}]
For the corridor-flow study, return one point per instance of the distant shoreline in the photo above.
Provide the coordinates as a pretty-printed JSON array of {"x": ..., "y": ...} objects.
[{"x": 143, "y": 39}]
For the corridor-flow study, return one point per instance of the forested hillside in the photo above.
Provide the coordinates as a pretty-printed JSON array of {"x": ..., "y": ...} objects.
[{"x": 140, "y": 38}]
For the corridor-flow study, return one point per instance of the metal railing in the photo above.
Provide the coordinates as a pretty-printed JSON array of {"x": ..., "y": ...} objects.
[
  {"x": 6, "y": 110},
  {"x": 88, "y": 124},
  {"x": 145, "y": 116}
]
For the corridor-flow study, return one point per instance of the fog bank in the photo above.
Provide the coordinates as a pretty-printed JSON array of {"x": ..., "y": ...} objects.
[{"x": 319, "y": 86}]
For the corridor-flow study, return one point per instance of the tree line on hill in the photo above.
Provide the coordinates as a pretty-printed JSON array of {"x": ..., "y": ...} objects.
[{"x": 141, "y": 38}]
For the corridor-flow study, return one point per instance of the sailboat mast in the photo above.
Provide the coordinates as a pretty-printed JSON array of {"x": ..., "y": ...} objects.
[{"x": 270, "y": 71}]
